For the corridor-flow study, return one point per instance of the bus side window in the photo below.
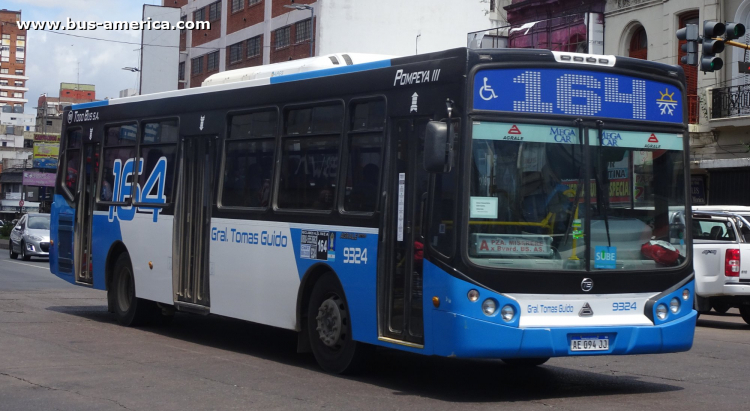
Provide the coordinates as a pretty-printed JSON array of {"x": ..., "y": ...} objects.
[
  {"x": 365, "y": 156},
  {"x": 72, "y": 161},
  {"x": 443, "y": 215},
  {"x": 309, "y": 164},
  {"x": 119, "y": 153},
  {"x": 248, "y": 164},
  {"x": 158, "y": 144}
]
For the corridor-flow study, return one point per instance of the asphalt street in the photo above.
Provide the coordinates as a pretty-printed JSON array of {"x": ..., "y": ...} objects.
[{"x": 61, "y": 350}]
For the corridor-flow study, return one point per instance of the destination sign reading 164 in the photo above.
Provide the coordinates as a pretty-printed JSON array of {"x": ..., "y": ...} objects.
[{"x": 577, "y": 92}]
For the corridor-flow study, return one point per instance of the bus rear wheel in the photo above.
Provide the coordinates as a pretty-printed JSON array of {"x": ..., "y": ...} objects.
[
  {"x": 130, "y": 310},
  {"x": 329, "y": 329},
  {"x": 525, "y": 362}
]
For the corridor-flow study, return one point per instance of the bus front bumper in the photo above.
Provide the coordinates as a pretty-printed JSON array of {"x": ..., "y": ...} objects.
[{"x": 466, "y": 337}]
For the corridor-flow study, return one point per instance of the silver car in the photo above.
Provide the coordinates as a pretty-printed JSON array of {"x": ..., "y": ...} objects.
[{"x": 30, "y": 237}]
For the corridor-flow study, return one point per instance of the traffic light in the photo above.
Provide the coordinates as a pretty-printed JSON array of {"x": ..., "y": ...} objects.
[
  {"x": 689, "y": 33},
  {"x": 712, "y": 30},
  {"x": 734, "y": 31}
]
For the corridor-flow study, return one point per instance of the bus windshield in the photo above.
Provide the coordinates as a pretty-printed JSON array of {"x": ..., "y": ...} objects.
[{"x": 528, "y": 198}]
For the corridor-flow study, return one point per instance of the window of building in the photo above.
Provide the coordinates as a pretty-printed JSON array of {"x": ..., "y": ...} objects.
[
  {"x": 214, "y": 11},
  {"x": 3, "y": 82},
  {"x": 4, "y": 53},
  {"x": 302, "y": 30},
  {"x": 639, "y": 44},
  {"x": 28, "y": 143},
  {"x": 249, "y": 160},
  {"x": 282, "y": 37},
  {"x": 196, "y": 66},
  {"x": 183, "y": 19},
  {"x": 310, "y": 157},
  {"x": 181, "y": 71},
  {"x": 19, "y": 83},
  {"x": 19, "y": 72},
  {"x": 158, "y": 151},
  {"x": 3, "y": 94},
  {"x": 253, "y": 47},
  {"x": 3, "y": 71},
  {"x": 213, "y": 61},
  {"x": 5, "y": 40},
  {"x": 235, "y": 53},
  {"x": 252, "y": 2},
  {"x": 237, "y": 5},
  {"x": 199, "y": 15},
  {"x": 19, "y": 61},
  {"x": 49, "y": 122},
  {"x": 18, "y": 95},
  {"x": 119, "y": 147}
]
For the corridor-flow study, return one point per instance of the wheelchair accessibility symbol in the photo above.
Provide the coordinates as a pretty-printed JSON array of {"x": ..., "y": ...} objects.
[{"x": 486, "y": 92}]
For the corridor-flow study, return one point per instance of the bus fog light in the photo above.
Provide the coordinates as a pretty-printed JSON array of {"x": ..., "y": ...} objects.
[
  {"x": 674, "y": 305},
  {"x": 489, "y": 307},
  {"x": 508, "y": 313},
  {"x": 661, "y": 311},
  {"x": 685, "y": 294},
  {"x": 473, "y": 295}
]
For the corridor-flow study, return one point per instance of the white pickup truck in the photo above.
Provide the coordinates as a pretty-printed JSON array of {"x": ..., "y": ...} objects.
[{"x": 721, "y": 259}]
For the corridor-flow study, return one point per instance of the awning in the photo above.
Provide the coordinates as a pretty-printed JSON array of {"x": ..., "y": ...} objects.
[{"x": 721, "y": 163}]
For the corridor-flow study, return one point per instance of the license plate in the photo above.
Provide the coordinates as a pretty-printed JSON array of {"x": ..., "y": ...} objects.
[{"x": 589, "y": 343}]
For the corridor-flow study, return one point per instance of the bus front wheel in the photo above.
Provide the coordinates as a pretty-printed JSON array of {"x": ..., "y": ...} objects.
[
  {"x": 130, "y": 310},
  {"x": 329, "y": 328}
]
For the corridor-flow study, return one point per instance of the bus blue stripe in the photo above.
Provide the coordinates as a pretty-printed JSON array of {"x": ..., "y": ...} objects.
[
  {"x": 331, "y": 72},
  {"x": 90, "y": 105}
]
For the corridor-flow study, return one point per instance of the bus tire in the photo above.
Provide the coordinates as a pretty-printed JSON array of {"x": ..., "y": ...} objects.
[
  {"x": 329, "y": 329},
  {"x": 130, "y": 310},
  {"x": 745, "y": 313},
  {"x": 525, "y": 362},
  {"x": 13, "y": 255}
]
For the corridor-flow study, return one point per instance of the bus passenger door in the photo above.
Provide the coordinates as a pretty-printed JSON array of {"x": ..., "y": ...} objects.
[
  {"x": 190, "y": 268},
  {"x": 407, "y": 194},
  {"x": 85, "y": 214}
]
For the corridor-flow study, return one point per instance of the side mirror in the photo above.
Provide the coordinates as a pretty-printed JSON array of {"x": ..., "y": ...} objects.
[{"x": 438, "y": 147}]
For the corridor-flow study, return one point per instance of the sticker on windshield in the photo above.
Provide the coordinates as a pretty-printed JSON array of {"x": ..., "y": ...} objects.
[
  {"x": 483, "y": 207},
  {"x": 605, "y": 257},
  {"x": 637, "y": 139},
  {"x": 534, "y": 133}
]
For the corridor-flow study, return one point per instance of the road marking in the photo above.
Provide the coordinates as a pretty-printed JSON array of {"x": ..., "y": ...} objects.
[{"x": 30, "y": 265}]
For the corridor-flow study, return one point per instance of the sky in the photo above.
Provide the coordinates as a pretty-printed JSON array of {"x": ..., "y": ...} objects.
[{"x": 52, "y": 58}]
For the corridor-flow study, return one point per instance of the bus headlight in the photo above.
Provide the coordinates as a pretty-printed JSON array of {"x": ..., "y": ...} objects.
[
  {"x": 674, "y": 305},
  {"x": 685, "y": 294},
  {"x": 661, "y": 311},
  {"x": 473, "y": 295},
  {"x": 508, "y": 313},
  {"x": 489, "y": 307}
]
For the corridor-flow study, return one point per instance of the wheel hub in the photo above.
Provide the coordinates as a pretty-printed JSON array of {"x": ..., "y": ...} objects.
[{"x": 329, "y": 322}]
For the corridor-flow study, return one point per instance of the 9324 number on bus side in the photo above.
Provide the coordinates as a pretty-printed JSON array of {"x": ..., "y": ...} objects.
[{"x": 355, "y": 255}]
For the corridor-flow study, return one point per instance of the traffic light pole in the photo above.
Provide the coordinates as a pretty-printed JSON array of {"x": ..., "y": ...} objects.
[{"x": 735, "y": 44}]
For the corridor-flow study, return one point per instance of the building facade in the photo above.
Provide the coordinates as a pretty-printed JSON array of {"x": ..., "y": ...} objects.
[
  {"x": 13, "y": 50},
  {"x": 49, "y": 109},
  {"x": 718, "y": 104},
  {"x": 246, "y": 33}
]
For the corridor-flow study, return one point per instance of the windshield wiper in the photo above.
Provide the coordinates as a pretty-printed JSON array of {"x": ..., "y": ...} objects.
[{"x": 602, "y": 202}]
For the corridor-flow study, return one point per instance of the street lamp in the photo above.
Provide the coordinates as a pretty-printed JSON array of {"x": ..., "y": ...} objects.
[
  {"x": 132, "y": 69},
  {"x": 312, "y": 14}
]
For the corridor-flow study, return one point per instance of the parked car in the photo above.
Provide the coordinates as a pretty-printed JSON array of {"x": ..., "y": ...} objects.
[
  {"x": 721, "y": 259},
  {"x": 30, "y": 237}
]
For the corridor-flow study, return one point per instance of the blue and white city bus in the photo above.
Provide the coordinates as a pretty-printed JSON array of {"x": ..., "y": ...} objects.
[{"x": 511, "y": 204}]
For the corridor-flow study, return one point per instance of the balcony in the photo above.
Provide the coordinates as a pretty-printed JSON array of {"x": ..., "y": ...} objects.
[{"x": 727, "y": 102}]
